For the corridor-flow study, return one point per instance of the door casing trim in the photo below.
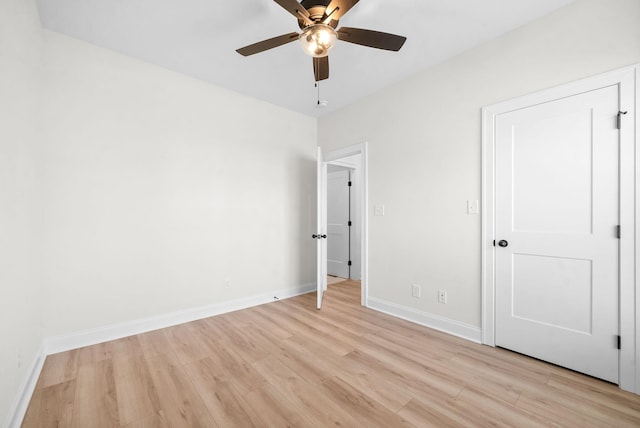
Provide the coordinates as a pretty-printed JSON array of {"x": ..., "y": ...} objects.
[{"x": 626, "y": 79}]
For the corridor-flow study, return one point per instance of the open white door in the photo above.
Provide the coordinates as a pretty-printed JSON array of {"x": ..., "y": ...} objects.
[{"x": 321, "y": 230}]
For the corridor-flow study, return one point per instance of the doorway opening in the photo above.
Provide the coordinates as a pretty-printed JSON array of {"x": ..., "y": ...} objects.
[{"x": 342, "y": 218}]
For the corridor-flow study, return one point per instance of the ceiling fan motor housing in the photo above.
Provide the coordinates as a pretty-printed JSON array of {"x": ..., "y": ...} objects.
[{"x": 316, "y": 9}]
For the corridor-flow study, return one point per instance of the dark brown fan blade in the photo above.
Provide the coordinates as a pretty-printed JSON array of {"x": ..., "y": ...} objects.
[
  {"x": 321, "y": 68},
  {"x": 295, "y": 9},
  {"x": 343, "y": 7},
  {"x": 372, "y": 39},
  {"x": 268, "y": 44}
]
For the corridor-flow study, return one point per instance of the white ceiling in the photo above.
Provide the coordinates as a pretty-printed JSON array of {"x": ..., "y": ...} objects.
[{"x": 199, "y": 38}]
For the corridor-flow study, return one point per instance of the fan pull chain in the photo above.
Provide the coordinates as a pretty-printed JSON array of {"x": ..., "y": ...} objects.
[{"x": 320, "y": 104}]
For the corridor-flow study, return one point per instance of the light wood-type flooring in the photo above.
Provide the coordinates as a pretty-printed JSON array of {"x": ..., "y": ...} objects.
[
  {"x": 288, "y": 364},
  {"x": 334, "y": 279}
]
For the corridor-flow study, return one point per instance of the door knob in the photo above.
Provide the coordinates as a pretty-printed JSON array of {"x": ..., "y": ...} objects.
[{"x": 503, "y": 243}]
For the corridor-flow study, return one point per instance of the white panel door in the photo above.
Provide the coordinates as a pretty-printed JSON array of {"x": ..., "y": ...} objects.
[
  {"x": 338, "y": 223},
  {"x": 321, "y": 229},
  {"x": 557, "y": 203}
]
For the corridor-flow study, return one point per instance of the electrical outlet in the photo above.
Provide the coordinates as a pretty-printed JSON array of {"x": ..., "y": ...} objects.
[
  {"x": 227, "y": 283},
  {"x": 378, "y": 210},
  {"x": 442, "y": 296},
  {"x": 416, "y": 290}
]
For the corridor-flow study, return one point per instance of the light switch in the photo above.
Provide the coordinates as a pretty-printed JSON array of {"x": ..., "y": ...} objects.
[{"x": 378, "y": 210}]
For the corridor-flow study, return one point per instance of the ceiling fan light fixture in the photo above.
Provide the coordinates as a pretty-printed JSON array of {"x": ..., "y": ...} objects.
[
  {"x": 318, "y": 20},
  {"x": 318, "y": 39}
]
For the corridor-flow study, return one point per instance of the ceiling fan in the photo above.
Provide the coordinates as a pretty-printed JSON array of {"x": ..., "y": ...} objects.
[{"x": 318, "y": 20}]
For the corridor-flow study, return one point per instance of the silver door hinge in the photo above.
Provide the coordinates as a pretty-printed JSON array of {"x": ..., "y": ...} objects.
[{"x": 618, "y": 231}]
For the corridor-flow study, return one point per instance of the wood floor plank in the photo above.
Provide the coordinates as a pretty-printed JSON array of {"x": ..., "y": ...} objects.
[
  {"x": 563, "y": 405},
  {"x": 51, "y": 406},
  {"x": 561, "y": 415},
  {"x": 137, "y": 396},
  {"x": 154, "y": 421},
  {"x": 420, "y": 415},
  {"x": 59, "y": 368},
  {"x": 224, "y": 367},
  {"x": 125, "y": 348},
  {"x": 592, "y": 389},
  {"x": 303, "y": 362},
  {"x": 412, "y": 374},
  {"x": 298, "y": 323},
  {"x": 497, "y": 412},
  {"x": 389, "y": 394},
  {"x": 359, "y": 404},
  {"x": 303, "y": 395},
  {"x": 261, "y": 316},
  {"x": 262, "y": 338},
  {"x": 154, "y": 343},
  {"x": 267, "y": 408},
  {"x": 181, "y": 403},
  {"x": 497, "y": 381},
  {"x": 186, "y": 343},
  {"x": 505, "y": 369},
  {"x": 94, "y": 353},
  {"x": 216, "y": 329},
  {"x": 219, "y": 393},
  {"x": 288, "y": 364},
  {"x": 322, "y": 344},
  {"x": 95, "y": 402},
  {"x": 242, "y": 345}
]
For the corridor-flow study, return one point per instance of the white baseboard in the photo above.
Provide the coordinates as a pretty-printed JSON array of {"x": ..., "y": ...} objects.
[
  {"x": 53, "y": 345},
  {"x": 436, "y": 322},
  {"x": 19, "y": 408}
]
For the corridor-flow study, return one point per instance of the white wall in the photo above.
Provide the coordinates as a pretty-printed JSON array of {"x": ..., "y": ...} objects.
[
  {"x": 129, "y": 191},
  {"x": 20, "y": 285},
  {"x": 425, "y": 147},
  {"x": 159, "y": 187}
]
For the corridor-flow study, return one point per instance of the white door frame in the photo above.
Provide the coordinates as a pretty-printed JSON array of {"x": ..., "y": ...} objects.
[
  {"x": 362, "y": 201},
  {"x": 626, "y": 78}
]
